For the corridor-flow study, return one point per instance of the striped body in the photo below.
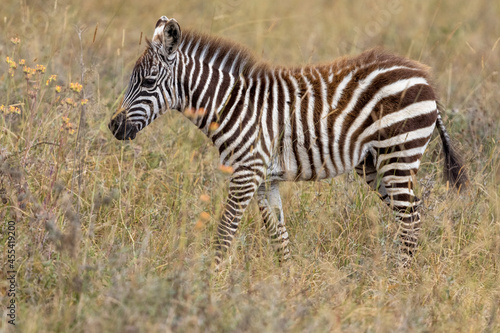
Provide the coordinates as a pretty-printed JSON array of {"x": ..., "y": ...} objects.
[{"x": 374, "y": 113}]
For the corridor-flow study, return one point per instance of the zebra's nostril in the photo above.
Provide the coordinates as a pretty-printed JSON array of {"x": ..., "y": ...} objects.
[
  {"x": 123, "y": 129},
  {"x": 116, "y": 122}
]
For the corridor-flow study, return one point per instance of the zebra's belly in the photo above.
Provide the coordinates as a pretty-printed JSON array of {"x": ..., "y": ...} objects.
[{"x": 298, "y": 163}]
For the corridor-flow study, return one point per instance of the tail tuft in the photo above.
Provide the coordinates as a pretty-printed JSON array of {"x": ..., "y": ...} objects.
[{"x": 454, "y": 170}]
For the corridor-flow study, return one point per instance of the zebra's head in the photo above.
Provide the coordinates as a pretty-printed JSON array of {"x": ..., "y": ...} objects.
[{"x": 151, "y": 90}]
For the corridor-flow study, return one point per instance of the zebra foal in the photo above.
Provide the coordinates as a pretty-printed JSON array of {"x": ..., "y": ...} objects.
[{"x": 374, "y": 113}]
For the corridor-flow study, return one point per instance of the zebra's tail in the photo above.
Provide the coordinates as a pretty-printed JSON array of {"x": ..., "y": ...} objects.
[{"x": 454, "y": 170}]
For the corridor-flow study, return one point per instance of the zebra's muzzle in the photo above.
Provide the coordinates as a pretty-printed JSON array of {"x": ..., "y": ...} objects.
[{"x": 121, "y": 128}]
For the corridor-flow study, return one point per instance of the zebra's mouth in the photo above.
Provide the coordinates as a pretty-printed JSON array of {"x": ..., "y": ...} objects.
[{"x": 123, "y": 129}]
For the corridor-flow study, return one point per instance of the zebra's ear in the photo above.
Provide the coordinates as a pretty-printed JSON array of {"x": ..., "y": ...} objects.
[{"x": 167, "y": 34}]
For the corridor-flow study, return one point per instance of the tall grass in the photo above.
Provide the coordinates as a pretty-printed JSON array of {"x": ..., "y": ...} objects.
[{"x": 114, "y": 236}]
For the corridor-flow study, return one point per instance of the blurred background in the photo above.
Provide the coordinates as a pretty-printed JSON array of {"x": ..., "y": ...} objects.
[{"x": 117, "y": 236}]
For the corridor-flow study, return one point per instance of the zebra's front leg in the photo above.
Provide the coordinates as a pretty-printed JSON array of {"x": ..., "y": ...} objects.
[
  {"x": 269, "y": 202},
  {"x": 242, "y": 186}
]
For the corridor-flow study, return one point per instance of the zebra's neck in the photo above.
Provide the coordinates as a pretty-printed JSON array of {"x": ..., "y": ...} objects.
[{"x": 208, "y": 70}]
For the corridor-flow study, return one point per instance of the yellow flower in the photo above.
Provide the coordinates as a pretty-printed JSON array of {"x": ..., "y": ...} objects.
[
  {"x": 76, "y": 87},
  {"x": 84, "y": 101},
  {"x": 14, "y": 109},
  {"x": 58, "y": 89},
  {"x": 40, "y": 68},
  {"x": 12, "y": 64},
  {"x": 67, "y": 125},
  {"x": 10, "y": 109},
  {"x": 69, "y": 101},
  {"x": 22, "y": 62},
  {"x": 50, "y": 79},
  {"x": 29, "y": 71}
]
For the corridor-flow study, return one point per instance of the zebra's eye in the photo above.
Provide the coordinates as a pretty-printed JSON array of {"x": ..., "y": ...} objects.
[{"x": 148, "y": 82}]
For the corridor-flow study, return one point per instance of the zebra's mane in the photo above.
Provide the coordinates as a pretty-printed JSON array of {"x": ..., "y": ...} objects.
[
  {"x": 243, "y": 59},
  {"x": 239, "y": 59}
]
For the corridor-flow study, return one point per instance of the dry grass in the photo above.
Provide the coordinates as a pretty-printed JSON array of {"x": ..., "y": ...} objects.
[{"x": 109, "y": 235}]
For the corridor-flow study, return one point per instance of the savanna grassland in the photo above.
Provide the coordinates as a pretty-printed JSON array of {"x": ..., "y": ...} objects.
[{"x": 117, "y": 236}]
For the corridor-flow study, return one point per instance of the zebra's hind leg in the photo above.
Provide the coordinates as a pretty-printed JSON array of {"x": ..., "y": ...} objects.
[
  {"x": 392, "y": 178},
  {"x": 269, "y": 201},
  {"x": 396, "y": 182}
]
